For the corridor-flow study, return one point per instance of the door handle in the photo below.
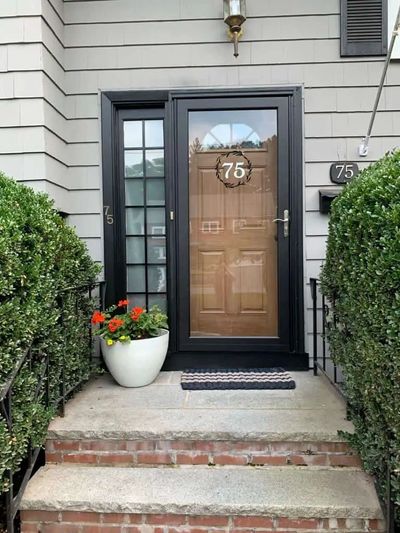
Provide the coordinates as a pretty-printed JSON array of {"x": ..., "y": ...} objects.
[{"x": 285, "y": 220}]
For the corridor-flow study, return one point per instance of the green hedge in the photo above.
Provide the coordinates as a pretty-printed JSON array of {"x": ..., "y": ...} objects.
[
  {"x": 361, "y": 278},
  {"x": 39, "y": 256}
]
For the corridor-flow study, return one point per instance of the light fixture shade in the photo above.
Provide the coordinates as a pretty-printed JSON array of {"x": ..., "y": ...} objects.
[{"x": 234, "y": 12}]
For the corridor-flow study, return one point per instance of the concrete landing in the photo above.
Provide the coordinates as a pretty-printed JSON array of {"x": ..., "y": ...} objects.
[
  {"x": 312, "y": 412},
  {"x": 270, "y": 492}
]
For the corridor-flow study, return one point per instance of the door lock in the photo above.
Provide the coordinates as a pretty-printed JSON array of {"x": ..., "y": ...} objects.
[{"x": 285, "y": 220}]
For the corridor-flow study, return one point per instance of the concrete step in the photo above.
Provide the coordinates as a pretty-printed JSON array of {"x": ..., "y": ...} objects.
[
  {"x": 312, "y": 412},
  {"x": 197, "y": 499},
  {"x": 162, "y": 424}
]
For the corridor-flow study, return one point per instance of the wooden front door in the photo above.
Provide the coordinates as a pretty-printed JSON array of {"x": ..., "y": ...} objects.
[{"x": 233, "y": 244}]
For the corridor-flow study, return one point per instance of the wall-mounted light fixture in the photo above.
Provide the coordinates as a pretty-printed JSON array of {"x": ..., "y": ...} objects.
[{"x": 234, "y": 16}]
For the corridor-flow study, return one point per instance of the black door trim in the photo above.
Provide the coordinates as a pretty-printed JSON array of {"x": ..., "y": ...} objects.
[
  {"x": 111, "y": 102},
  {"x": 217, "y": 344}
]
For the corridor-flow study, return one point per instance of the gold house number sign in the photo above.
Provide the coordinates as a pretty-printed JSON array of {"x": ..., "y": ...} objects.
[{"x": 233, "y": 169}]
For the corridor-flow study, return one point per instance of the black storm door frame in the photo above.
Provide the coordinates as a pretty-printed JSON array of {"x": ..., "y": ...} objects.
[
  {"x": 187, "y": 343},
  {"x": 173, "y": 105}
]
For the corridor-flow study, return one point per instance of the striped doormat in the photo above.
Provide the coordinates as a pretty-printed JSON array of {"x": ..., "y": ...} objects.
[{"x": 237, "y": 378}]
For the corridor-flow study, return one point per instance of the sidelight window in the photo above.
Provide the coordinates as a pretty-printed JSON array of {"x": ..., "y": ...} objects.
[{"x": 144, "y": 174}]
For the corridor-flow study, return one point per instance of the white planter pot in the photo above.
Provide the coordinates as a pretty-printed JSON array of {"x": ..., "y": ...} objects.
[{"x": 136, "y": 363}]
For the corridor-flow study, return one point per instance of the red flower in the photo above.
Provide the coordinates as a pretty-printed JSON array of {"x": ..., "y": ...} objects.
[
  {"x": 122, "y": 303},
  {"x": 114, "y": 324},
  {"x": 98, "y": 317},
  {"x": 136, "y": 312}
]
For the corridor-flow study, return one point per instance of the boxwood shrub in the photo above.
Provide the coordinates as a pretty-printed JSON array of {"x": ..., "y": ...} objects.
[
  {"x": 361, "y": 279},
  {"x": 39, "y": 257}
]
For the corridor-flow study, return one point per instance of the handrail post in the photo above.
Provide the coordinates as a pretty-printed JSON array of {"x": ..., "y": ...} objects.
[
  {"x": 324, "y": 313},
  {"x": 47, "y": 384},
  {"x": 90, "y": 336},
  {"x": 102, "y": 291},
  {"x": 313, "y": 285},
  {"x": 9, "y": 473},
  {"x": 390, "y": 522},
  {"x": 9, "y": 497},
  {"x": 62, "y": 322}
]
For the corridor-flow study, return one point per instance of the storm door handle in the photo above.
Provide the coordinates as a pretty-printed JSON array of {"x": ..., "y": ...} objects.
[{"x": 285, "y": 220}]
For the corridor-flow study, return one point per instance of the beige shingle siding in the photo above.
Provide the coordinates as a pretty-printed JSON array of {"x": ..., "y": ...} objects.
[
  {"x": 80, "y": 48},
  {"x": 31, "y": 149}
]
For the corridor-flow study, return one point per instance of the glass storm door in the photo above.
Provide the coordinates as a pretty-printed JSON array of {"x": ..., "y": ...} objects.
[{"x": 233, "y": 252}]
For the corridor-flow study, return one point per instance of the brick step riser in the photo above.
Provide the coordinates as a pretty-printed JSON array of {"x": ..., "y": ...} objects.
[
  {"x": 90, "y": 522},
  {"x": 157, "y": 452}
]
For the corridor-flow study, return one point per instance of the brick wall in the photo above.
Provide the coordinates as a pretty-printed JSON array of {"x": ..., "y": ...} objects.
[
  {"x": 88, "y": 522},
  {"x": 156, "y": 452}
]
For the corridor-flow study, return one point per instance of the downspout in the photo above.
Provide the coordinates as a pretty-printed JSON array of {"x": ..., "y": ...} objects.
[{"x": 363, "y": 148}]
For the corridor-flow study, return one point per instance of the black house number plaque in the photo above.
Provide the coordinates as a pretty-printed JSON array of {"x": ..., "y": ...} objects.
[{"x": 343, "y": 172}]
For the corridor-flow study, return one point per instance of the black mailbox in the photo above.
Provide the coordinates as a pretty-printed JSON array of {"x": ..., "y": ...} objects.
[{"x": 326, "y": 197}]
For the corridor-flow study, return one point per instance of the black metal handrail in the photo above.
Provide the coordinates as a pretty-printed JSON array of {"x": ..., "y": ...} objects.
[
  {"x": 12, "y": 498},
  {"x": 390, "y": 513},
  {"x": 322, "y": 360},
  {"x": 324, "y": 363}
]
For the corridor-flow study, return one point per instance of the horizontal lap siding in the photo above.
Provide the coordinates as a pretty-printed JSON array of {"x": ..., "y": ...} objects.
[
  {"x": 21, "y": 120},
  {"x": 20, "y": 8},
  {"x": 116, "y": 44},
  {"x": 159, "y": 10},
  {"x": 112, "y": 34},
  {"x": 56, "y": 119},
  {"x": 120, "y": 44},
  {"x": 32, "y": 143},
  {"x": 42, "y": 143}
]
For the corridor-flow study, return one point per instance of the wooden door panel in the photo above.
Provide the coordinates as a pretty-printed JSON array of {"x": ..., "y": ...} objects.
[
  {"x": 233, "y": 248},
  {"x": 212, "y": 286},
  {"x": 211, "y": 203},
  {"x": 252, "y": 281}
]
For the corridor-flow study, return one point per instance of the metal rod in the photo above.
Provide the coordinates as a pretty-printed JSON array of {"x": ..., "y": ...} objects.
[
  {"x": 62, "y": 413},
  {"x": 9, "y": 503},
  {"x": 390, "y": 524},
  {"x": 313, "y": 285},
  {"x": 103, "y": 287},
  {"x": 9, "y": 473},
  {"x": 47, "y": 389},
  {"x": 235, "y": 44},
  {"x": 9, "y": 382},
  {"x": 332, "y": 383},
  {"x": 363, "y": 148},
  {"x": 79, "y": 287},
  {"x": 323, "y": 332},
  {"x": 90, "y": 337},
  {"x": 28, "y": 473}
]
